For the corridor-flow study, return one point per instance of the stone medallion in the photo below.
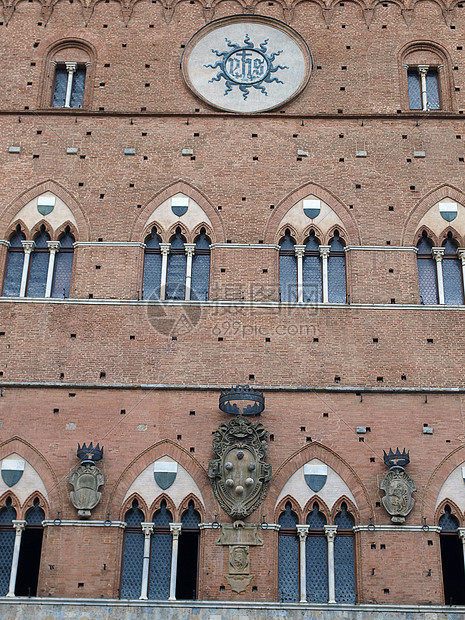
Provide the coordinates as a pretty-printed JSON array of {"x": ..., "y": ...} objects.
[{"x": 246, "y": 64}]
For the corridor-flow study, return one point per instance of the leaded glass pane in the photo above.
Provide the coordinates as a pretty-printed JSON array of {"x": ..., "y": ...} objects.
[
  {"x": 61, "y": 80},
  {"x": 312, "y": 244},
  {"x": 448, "y": 522},
  {"x": 452, "y": 277},
  {"x": 8, "y": 513},
  {"x": 7, "y": 542},
  {"x": 312, "y": 278},
  {"x": 336, "y": 244},
  {"x": 288, "y": 518},
  {"x": 67, "y": 241},
  {"x": 288, "y": 278},
  {"x": 132, "y": 565},
  {"x": 344, "y": 568},
  {"x": 316, "y": 551},
  {"x": 62, "y": 274},
  {"x": 35, "y": 515},
  {"x": 337, "y": 279},
  {"x": 200, "y": 276},
  {"x": 14, "y": 270},
  {"x": 38, "y": 274},
  {"x": 77, "y": 89},
  {"x": 163, "y": 517},
  {"x": 432, "y": 91},
  {"x": 176, "y": 278},
  {"x": 160, "y": 566},
  {"x": 427, "y": 280},
  {"x": 288, "y": 551},
  {"x": 344, "y": 520},
  {"x": 414, "y": 89},
  {"x": 425, "y": 245},
  {"x": 286, "y": 242},
  {"x": 153, "y": 241},
  {"x": 450, "y": 247},
  {"x": 152, "y": 276},
  {"x": 134, "y": 516},
  {"x": 316, "y": 519},
  {"x": 190, "y": 517}
]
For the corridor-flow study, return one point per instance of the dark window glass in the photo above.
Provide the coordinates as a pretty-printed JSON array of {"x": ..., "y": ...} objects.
[
  {"x": 61, "y": 80},
  {"x": 448, "y": 522},
  {"x": 176, "y": 278},
  {"x": 201, "y": 267},
  {"x": 7, "y": 543},
  {"x": 35, "y": 515},
  {"x": 344, "y": 520},
  {"x": 8, "y": 513},
  {"x": 432, "y": 90},
  {"x": 316, "y": 519},
  {"x": 316, "y": 552},
  {"x": 131, "y": 579},
  {"x": 287, "y": 269},
  {"x": 427, "y": 277},
  {"x": 63, "y": 267},
  {"x": 312, "y": 278},
  {"x": 77, "y": 90},
  {"x": 288, "y": 552},
  {"x": 414, "y": 89},
  {"x": 14, "y": 266},
  {"x": 160, "y": 555},
  {"x": 190, "y": 517},
  {"x": 38, "y": 266},
  {"x": 452, "y": 273},
  {"x": 337, "y": 271},
  {"x": 344, "y": 561},
  {"x": 152, "y": 267}
]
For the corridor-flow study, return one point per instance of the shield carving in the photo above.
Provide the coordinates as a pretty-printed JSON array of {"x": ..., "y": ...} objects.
[
  {"x": 179, "y": 205},
  {"x": 311, "y": 208},
  {"x": 165, "y": 474},
  {"x": 45, "y": 204},
  {"x": 315, "y": 475},
  {"x": 12, "y": 470},
  {"x": 448, "y": 210}
]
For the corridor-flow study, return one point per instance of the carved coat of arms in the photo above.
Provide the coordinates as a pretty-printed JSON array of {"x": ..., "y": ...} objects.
[
  {"x": 239, "y": 473},
  {"x": 398, "y": 486},
  {"x": 86, "y": 480}
]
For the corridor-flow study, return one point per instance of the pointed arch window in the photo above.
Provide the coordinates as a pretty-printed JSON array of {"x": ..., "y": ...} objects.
[
  {"x": 344, "y": 561},
  {"x": 38, "y": 268},
  {"x": 312, "y": 272},
  {"x": 30, "y": 552},
  {"x": 63, "y": 264},
  {"x": 176, "y": 270},
  {"x": 188, "y": 554},
  {"x": 316, "y": 553},
  {"x": 440, "y": 271},
  {"x": 160, "y": 554},
  {"x": 133, "y": 554},
  {"x": 288, "y": 556},
  {"x": 452, "y": 558},
  {"x": 7, "y": 542},
  {"x": 14, "y": 265}
]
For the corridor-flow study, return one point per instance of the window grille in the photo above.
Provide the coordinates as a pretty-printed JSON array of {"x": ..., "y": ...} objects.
[
  {"x": 452, "y": 273},
  {"x": 288, "y": 552},
  {"x": 287, "y": 269},
  {"x": 35, "y": 515},
  {"x": 152, "y": 266},
  {"x": 39, "y": 266},
  {"x": 427, "y": 271},
  {"x": 337, "y": 271},
  {"x": 201, "y": 267},
  {"x": 14, "y": 267},
  {"x": 63, "y": 266},
  {"x": 160, "y": 555},
  {"x": 7, "y": 541},
  {"x": 176, "y": 278},
  {"x": 190, "y": 517},
  {"x": 316, "y": 551},
  {"x": 344, "y": 561},
  {"x": 448, "y": 522},
  {"x": 312, "y": 277},
  {"x": 133, "y": 556}
]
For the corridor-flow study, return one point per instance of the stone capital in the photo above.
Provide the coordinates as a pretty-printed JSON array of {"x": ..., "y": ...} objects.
[
  {"x": 438, "y": 253},
  {"x": 461, "y": 533},
  {"x": 423, "y": 69},
  {"x": 28, "y": 246},
  {"x": 175, "y": 529},
  {"x": 71, "y": 66},
  {"x": 147, "y": 528},
  {"x": 53, "y": 246},
  {"x": 330, "y": 531},
  {"x": 19, "y": 525},
  {"x": 325, "y": 250},
  {"x": 299, "y": 250},
  {"x": 461, "y": 255},
  {"x": 302, "y": 531},
  {"x": 189, "y": 249},
  {"x": 165, "y": 248}
]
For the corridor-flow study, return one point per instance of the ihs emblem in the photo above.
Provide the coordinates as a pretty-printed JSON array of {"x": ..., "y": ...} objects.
[{"x": 246, "y": 66}]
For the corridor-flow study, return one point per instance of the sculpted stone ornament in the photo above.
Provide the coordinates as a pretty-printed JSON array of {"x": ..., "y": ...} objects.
[
  {"x": 239, "y": 537},
  {"x": 86, "y": 480},
  {"x": 398, "y": 486},
  {"x": 239, "y": 473}
]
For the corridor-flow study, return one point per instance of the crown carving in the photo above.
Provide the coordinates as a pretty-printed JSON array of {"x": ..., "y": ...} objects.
[
  {"x": 232, "y": 401},
  {"x": 397, "y": 458},
  {"x": 90, "y": 452}
]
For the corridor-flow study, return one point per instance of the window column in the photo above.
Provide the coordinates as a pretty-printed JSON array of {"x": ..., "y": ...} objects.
[
  {"x": 423, "y": 70},
  {"x": 330, "y": 531},
  {"x": 299, "y": 252},
  {"x": 302, "y": 533},
  {"x": 461, "y": 533},
  {"x": 438, "y": 253},
  {"x": 165, "y": 250},
  {"x": 189, "y": 249},
  {"x": 28, "y": 247},
  {"x": 19, "y": 527},
  {"x": 53, "y": 246},
  {"x": 147, "y": 528},
  {"x": 175, "y": 529},
  {"x": 324, "y": 253},
  {"x": 461, "y": 254},
  {"x": 70, "y": 68}
]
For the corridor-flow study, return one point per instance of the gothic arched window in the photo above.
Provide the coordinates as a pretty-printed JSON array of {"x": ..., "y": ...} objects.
[
  {"x": 287, "y": 269},
  {"x": 63, "y": 266},
  {"x": 152, "y": 266},
  {"x": 439, "y": 271},
  {"x": 133, "y": 555},
  {"x": 427, "y": 271},
  {"x": 201, "y": 267},
  {"x": 337, "y": 270},
  {"x": 312, "y": 277},
  {"x": 452, "y": 272},
  {"x": 452, "y": 559},
  {"x": 30, "y": 551},
  {"x": 316, "y": 552},
  {"x": 7, "y": 542},
  {"x": 14, "y": 265},
  {"x": 160, "y": 554},
  {"x": 288, "y": 552},
  {"x": 344, "y": 562},
  {"x": 187, "y": 575},
  {"x": 177, "y": 259}
]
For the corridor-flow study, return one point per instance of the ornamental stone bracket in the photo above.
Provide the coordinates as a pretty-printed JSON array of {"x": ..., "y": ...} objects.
[{"x": 239, "y": 537}]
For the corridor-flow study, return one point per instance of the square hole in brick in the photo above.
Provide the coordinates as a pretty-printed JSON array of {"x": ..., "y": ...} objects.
[
  {"x": 308, "y": 439},
  {"x": 373, "y": 545},
  {"x": 372, "y": 459},
  {"x": 191, "y": 412},
  {"x": 302, "y": 428},
  {"x": 251, "y": 377},
  {"x": 271, "y": 437},
  {"x": 55, "y": 411},
  {"x": 382, "y": 546},
  {"x": 191, "y": 449},
  {"x": 379, "y": 379},
  {"x": 326, "y": 414},
  {"x": 123, "y": 412},
  {"x": 103, "y": 374},
  {"x": 132, "y": 337},
  {"x": 267, "y": 339},
  {"x": 179, "y": 437},
  {"x": 315, "y": 340}
]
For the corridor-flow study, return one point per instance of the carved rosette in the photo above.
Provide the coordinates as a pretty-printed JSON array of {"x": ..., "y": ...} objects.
[
  {"x": 398, "y": 500},
  {"x": 86, "y": 481},
  {"x": 239, "y": 473}
]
